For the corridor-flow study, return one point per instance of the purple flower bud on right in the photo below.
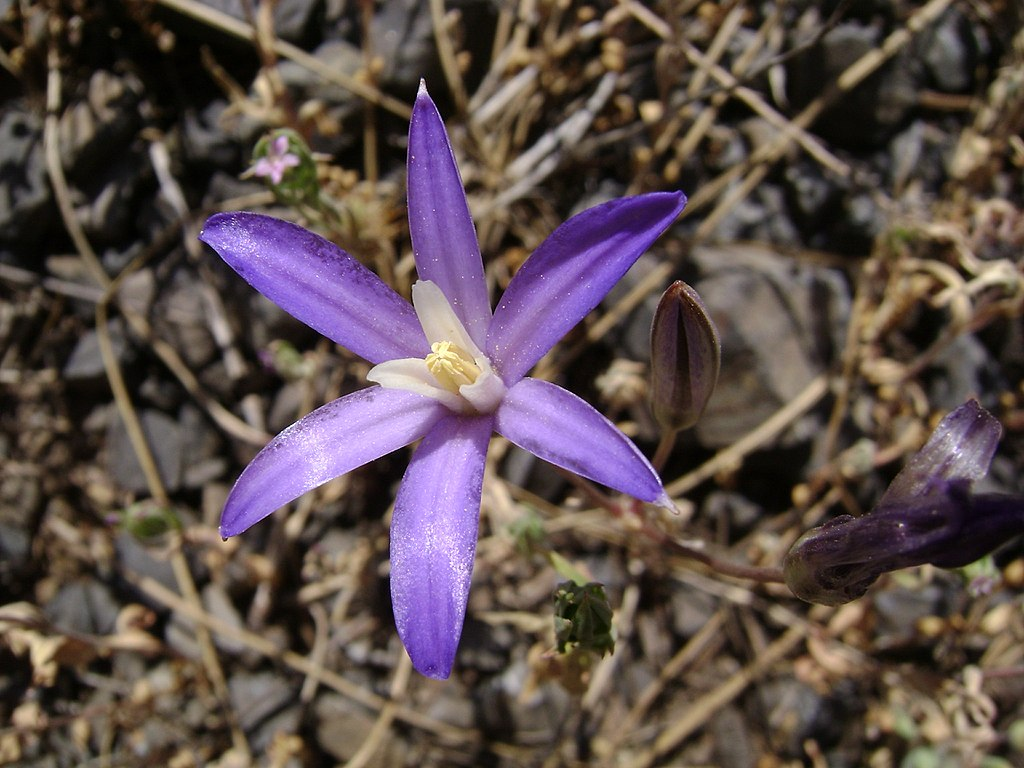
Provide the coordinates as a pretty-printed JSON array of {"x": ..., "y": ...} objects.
[{"x": 929, "y": 514}]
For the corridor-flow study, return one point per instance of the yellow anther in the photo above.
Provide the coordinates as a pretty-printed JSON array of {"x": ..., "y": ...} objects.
[{"x": 451, "y": 365}]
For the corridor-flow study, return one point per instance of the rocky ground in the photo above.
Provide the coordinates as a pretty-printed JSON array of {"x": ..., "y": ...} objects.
[{"x": 855, "y": 225}]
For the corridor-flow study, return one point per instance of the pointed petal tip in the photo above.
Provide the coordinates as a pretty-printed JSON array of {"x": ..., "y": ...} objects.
[
  {"x": 233, "y": 521},
  {"x": 229, "y": 530},
  {"x": 213, "y": 230},
  {"x": 424, "y": 100},
  {"x": 665, "y": 502},
  {"x": 678, "y": 198},
  {"x": 434, "y": 670}
]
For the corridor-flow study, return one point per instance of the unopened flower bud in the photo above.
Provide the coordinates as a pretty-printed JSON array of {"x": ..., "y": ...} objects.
[
  {"x": 685, "y": 358},
  {"x": 929, "y": 514}
]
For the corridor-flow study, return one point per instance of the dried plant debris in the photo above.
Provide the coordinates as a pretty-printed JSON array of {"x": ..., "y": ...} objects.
[{"x": 852, "y": 264}]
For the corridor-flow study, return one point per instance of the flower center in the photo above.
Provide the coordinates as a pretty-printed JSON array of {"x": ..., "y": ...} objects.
[
  {"x": 455, "y": 372},
  {"x": 451, "y": 365}
]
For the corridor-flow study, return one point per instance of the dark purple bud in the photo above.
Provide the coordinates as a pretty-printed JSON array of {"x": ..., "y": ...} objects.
[
  {"x": 927, "y": 515},
  {"x": 685, "y": 358}
]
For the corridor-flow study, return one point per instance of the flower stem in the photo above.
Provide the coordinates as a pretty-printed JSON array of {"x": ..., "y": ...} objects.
[
  {"x": 664, "y": 449},
  {"x": 760, "y": 574}
]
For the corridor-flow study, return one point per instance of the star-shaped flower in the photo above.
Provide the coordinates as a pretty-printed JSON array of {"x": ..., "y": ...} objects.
[
  {"x": 277, "y": 161},
  {"x": 449, "y": 372}
]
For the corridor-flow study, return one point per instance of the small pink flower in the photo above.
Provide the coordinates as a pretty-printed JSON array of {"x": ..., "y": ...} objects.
[{"x": 277, "y": 160}]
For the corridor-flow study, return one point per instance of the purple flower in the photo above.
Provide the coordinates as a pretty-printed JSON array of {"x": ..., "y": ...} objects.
[
  {"x": 927, "y": 515},
  {"x": 449, "y": 372},
  {"x": 277, "y": 160}
]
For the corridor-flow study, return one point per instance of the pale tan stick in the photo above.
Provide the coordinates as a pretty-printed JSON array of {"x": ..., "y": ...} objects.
[
  {"x": 157, "y": 591},
  {"x": 119, "y": 390},
  {"x": 769, "y": 429},
  {"x": 446, "y": 52},
  {"x": 707, "y": 705},
  {"x": 399, "y": 685},
  {"x": 683, "y": 659},
  {"x": 763, "y": 157},
  {"x": 241, "y": 29}
]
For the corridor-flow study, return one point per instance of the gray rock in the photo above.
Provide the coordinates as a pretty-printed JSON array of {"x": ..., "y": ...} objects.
[
  {"x": 179, "y": 316},
  {"x": 164, "y": 438},
  {"x": 203, "y": 458},
  {"x": 265, "y": 704},
  {"x": 95, "y": 128},
  {"x": 85, "y": 606},
  {"x": 85, "y": 364},
  {"x": 812, "y": 197},
  {"x": 404, "y": 39},
  {"x": 761, "y": 216},
  {"x": 453, "y": 707},
  {"x": 14, "y": 553},
  {"x": 964, "y": 368},
  {"x": 21, "y": 502},
  {"x": 337, "y": 105},
  {"x": 106, "y": 200},
  {"x": 204, "y": 141},
  {"x": 734, "y": 744},
  {"x": 26, "y": 205},
  {"x": 216, "y": 601},
  {"x": 136, "y": 558},
  {"x": 729, "y": 147},
  {"x": 506, "y": 709},
  {"x": 738, "y": 512},
  {"x": 781, "y": 323},
  {"x": 861, "y": 219},
  {"x": 342, "y": 727},
  {"x": 867, "y": 115},
  {"x": 691, "y": 610},
  {"x": 919, "y": 154},
  {"x": 899, "y": 609},
  {"x": 294, "y": 20},
  {"x": 950, "y": 51},
  {"x": 794, "y": 712}
]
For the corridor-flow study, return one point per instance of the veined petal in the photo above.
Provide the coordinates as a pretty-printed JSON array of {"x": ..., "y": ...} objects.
[
  {"x": 569, "y": 274},
  {"x": 318, "y": 283},
  {"x": 433, "y": 540},
  {"x": 444, "y": 240},
  {"x": 960, "y": 448},
  {"x": 559, "y": 427},
  {"x": 335, "y": 438}
]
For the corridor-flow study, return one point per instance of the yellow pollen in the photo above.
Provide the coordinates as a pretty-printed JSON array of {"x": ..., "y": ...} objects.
[{"x": 451, "y": 365}]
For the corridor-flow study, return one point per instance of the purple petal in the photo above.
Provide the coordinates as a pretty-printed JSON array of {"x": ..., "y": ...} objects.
[
  {"x": 960, "y": 448},
  {"x": 318, "y": 283},
  {"x": 557, "y": 426},
  {"x": 993, "y": 519},
  {"x": 443, "y": 237},
  {"x": 569, "y": 274},
  {"x": 335, "y": 438},
  {"x": 433, "y": 539}
]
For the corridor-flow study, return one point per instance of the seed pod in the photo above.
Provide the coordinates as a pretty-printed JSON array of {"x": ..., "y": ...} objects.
[{"x": 685, "y": 358}]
